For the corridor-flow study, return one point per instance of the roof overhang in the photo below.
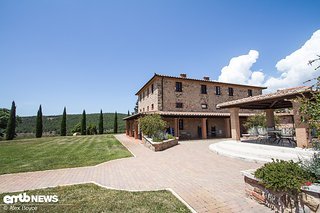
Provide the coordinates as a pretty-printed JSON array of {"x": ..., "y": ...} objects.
[
  {"x": 194, "y": 79},
  {"x": 277, "y": 100},
  {"x": 186, "y": 114}
]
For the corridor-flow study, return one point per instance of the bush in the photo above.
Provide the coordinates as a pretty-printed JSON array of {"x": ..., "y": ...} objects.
[
  {"x": 152, "y": 125},
  {"x": 313, "y": 165},
  {"x": 286, "y": 176},
  {"x": 76, "y": 128}
]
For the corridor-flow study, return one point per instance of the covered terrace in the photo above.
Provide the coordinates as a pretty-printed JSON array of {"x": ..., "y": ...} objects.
[{"x": 269, "y": 102}]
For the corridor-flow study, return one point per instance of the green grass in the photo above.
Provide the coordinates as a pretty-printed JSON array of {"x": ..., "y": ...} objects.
[
  {"x": 92, "y": 198},
  {"x": 58, "y": 152}
]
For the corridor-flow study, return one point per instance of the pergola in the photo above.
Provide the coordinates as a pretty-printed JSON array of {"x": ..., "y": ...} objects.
[{"x": 269, "y": 102}]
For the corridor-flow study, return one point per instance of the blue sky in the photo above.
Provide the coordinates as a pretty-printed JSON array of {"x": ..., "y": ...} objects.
[{"x": 96, "y": 54}]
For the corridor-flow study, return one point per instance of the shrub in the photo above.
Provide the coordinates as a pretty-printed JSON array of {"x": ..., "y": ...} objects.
[
  {"x": 313, "y": 165},
  {"x": 286, "y": 176},
  {"x": 76, "y": 128},
  {"x": 152, "y": 125}
]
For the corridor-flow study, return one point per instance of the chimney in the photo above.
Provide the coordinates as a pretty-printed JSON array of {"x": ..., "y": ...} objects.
[
  {"x": 183, "y": 75},
  {"x": 206, "y": 78}
]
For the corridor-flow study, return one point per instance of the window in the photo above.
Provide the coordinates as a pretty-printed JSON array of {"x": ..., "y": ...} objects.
[
  {"x": 180, "y": 124},
  {"x": 147, "y": 108},
  {"x": 178, "y": 86},
  {"x": 143, "y": 110},
  {"x": 218, "y": 90},
  {"x": 152, "y": 88},
  {"x": 140, "y": 97},
  {"x": 179, "y": 105},
  {"x": 230, "y": 89},
  {"x": 204, "y": 106},
  {"x": 143, "y": 95},
  {"x": 203, "y": 89},
  {"x": 152, "y": 106},
  {"x": 249, "y": 92},
  {"x": 147, "y": 92}
]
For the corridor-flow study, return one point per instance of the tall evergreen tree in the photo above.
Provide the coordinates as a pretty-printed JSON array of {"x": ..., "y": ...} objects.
[
  {"x": 101, "y": 123},
  {"x": 128, "y": 113},
  {"x": 115, "y": 126},
  {"x": 11, "y": 126},
  {"x": 39, "y": 126},
  {"x": 84, "y": 123},
  {"x": 63, "y": 131}
]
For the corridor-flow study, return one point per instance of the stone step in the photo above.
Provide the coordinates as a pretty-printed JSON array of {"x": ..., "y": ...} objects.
[{"x": 259, "y": 152}]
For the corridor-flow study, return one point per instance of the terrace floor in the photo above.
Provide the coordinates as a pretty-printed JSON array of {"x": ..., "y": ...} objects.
[{"x": 206, "y": 181}]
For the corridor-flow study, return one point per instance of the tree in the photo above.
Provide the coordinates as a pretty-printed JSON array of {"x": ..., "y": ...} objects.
[
  {"x": 92, "y": 129},
  {"x": 152, "y": 125},
  {"x": 76, "y": 128},
  {"x": 115, "y": 125},
  {"x": 136, "y": 108},
  {"x": 39, "y": 125},
  {"x": 310, "y": 106},
  {"x": 128, "y": 113},
  {"x": 83, "y": 123},
  {"x": 11, "y": 126},
  {"x": 63, "y": 131},
  {"x": 4, "y": 117},
  {"x": 101, "y": 123}
]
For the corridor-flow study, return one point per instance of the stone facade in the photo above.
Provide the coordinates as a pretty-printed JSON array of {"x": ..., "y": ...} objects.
[
  {"x": 165, "y": 97},
  {"x": 159, "y": 146}
]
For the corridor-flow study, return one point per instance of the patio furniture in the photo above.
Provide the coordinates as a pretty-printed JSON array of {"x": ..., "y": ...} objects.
[
  {"x": 287, "y": 134},
  {"x": 280, "y": 136}
]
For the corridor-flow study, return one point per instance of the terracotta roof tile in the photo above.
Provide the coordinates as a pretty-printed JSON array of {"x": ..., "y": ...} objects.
[{"x": 278, "y": 94}]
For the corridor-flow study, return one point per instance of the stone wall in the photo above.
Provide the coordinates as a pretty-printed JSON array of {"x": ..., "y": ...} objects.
[
  {"x": 308, "y": 201},
  {"x": 146, "y": 103},
  {"x": 159, "y": 146},
  {"x": 190, "y": 96}
]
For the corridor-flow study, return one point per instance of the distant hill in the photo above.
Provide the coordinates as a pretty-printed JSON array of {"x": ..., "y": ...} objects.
[{"x": 51, "y": 124}]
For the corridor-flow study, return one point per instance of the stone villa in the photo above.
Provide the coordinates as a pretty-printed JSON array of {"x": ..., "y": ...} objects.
[{"x": 189, "y": 106}]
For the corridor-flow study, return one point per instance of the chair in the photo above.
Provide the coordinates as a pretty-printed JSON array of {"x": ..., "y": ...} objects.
[{"x": 288, "y": 134}]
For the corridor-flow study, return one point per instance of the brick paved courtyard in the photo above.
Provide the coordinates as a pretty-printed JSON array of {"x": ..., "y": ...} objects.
[{"x": 206, "y": 181}]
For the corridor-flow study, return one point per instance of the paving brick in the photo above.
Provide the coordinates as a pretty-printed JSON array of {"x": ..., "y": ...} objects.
[{"x": 206, "y": 181}]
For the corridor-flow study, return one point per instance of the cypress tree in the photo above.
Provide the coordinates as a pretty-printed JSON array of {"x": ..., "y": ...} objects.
[
  {"x": 63, "y": 131},
  {"x": 84, "y": 123},
  {"x": 115, "y": 126},
  {"x": 128, "y": 113},
  {"x": 39, "y": 126},
  {"x": 101, "y": 123},
  {"x": 11, "y": 126}
]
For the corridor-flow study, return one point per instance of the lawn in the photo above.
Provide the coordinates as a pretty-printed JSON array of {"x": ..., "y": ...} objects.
[
  {"x": 92, "y": 198},
  {"x": 25, "y": 155}
]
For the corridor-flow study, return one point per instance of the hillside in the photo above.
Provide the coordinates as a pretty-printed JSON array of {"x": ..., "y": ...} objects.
[{"x": 51, "y": 124}]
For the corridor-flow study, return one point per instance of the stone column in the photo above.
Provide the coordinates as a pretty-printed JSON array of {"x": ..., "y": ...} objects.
[
  {"x": 235, "y": 123},
  {"x": 301, "y": 128},
  {"x": 204, "y": 128},
  {"x": 136, "y": 133},
  {"x": 227, "y": 127},
  {"x": 130, "y": 128},
  {"x": 176, "y": 127},
  {"x": 270, "y": 118},
  {"x": 127, "y": 127}
]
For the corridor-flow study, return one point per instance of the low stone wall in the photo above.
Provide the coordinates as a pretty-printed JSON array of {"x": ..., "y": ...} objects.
[
  {"x": 308, "y": 201},
  {"x": 159, "y": 146}
]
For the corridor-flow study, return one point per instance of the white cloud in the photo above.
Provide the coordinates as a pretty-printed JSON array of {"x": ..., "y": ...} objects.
[
  {"x": 293, "y": 69},
  {"x": 239, "y": 70}
]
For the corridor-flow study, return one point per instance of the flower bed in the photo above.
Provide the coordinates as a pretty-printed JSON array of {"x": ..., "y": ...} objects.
[
  {"x": 309, "y": 196},
  {"x": 159, "y": 146}
]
